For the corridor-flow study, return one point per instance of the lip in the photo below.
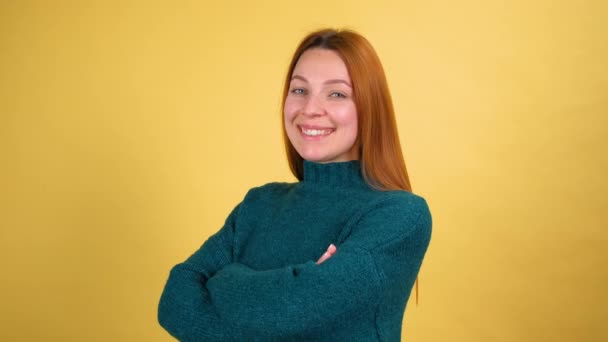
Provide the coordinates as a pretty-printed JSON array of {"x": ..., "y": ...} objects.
[
  {"x": 301, "y": 128},
  {"x": 322, "y": 128}
]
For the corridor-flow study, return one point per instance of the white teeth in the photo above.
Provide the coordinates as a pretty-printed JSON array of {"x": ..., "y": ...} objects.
[{"x": 316, "y": 132}]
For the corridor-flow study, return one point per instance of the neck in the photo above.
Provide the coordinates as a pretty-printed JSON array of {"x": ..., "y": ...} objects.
[{"x": 340, "y": 174}]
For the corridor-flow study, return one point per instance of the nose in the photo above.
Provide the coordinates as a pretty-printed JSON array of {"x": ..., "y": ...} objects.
[{"x": 313, "y": 106}]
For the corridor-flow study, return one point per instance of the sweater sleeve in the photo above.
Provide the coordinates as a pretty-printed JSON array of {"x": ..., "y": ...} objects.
[
  {"x": 184, "y": 309},
  {"x": 383, "y": 251}
]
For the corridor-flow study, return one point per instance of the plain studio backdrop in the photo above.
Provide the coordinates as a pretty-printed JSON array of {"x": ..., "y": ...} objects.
[{"x": 130, "y": 129}]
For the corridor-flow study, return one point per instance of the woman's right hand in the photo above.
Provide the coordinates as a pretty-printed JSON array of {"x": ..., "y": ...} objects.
[{"x": 331, "y": 250}]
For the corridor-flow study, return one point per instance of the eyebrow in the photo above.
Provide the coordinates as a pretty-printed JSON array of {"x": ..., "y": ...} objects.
[{"x": 332, "y": 81}]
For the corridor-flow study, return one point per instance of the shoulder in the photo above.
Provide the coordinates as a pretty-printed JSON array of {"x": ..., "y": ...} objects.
[
  {"x": 269, "y": 190},
  {"x": 268, "y": 195},
  {"x": 398, "y": 203},
  {"x": 261, "y": 201},
  {"x": 393, "y": 215}
]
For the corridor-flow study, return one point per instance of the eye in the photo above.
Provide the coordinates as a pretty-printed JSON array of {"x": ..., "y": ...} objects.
[
  {"x": 297, "y": 91},
  {"x": 337, "y": 94}
]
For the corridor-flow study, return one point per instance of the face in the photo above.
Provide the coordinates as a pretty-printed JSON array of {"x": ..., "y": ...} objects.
[{"x": 320, "y": 115}]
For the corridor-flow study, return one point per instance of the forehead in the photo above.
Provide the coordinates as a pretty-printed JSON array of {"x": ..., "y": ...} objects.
[{"x": 321, "y": 63}]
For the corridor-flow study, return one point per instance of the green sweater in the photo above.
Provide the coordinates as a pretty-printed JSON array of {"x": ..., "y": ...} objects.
[{"x": 256, "y": 278}]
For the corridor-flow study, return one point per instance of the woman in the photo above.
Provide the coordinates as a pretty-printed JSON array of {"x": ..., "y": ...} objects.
[{"x": 333, "y": 256}]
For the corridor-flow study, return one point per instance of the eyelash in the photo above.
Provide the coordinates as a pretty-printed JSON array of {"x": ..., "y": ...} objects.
[{"x": 300, "y": 91}]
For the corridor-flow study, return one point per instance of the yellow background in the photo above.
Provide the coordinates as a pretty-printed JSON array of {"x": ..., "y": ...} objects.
[{"x": 129, "y": 130}]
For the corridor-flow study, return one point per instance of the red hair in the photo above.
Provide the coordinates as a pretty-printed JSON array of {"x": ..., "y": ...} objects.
[{"x": 382, "y": 162}]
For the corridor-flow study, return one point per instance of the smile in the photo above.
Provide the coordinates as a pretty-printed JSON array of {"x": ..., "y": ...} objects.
[{"x": 316, "y": 132}]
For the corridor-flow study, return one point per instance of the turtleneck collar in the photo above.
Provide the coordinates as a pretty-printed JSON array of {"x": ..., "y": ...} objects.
[{"x": 333, "y": 174}]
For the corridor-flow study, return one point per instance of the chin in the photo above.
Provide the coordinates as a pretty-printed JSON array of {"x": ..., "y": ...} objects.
[
  {"x": 315, "y": 157},
  {"x": 321, "y": 159}
]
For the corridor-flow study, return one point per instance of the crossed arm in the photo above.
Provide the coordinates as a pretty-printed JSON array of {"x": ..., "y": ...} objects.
[{"x": 211, "y": 297}]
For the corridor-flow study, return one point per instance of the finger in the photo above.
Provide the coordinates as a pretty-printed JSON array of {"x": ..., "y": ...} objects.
[
  {"x": 323, "y": 257},
  {"x": 331, "y": 250}
]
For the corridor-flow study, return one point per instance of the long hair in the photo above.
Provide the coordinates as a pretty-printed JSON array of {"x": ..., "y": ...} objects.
[{"x": 382, "y": 163}]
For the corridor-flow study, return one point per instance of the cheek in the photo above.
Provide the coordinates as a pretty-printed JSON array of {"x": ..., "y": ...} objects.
[
  {"x": 289, "y": 114},
  {"x": 346, "y": 116},
  {"x": 289, "y": 110}
]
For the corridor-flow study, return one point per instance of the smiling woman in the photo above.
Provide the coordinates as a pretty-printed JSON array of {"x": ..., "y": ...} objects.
[
  {"x": 320, "y": 113},
  {"x": 333, "y": 256}
]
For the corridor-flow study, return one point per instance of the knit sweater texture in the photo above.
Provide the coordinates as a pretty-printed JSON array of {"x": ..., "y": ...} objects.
[{"x": 256, "y": 279}]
